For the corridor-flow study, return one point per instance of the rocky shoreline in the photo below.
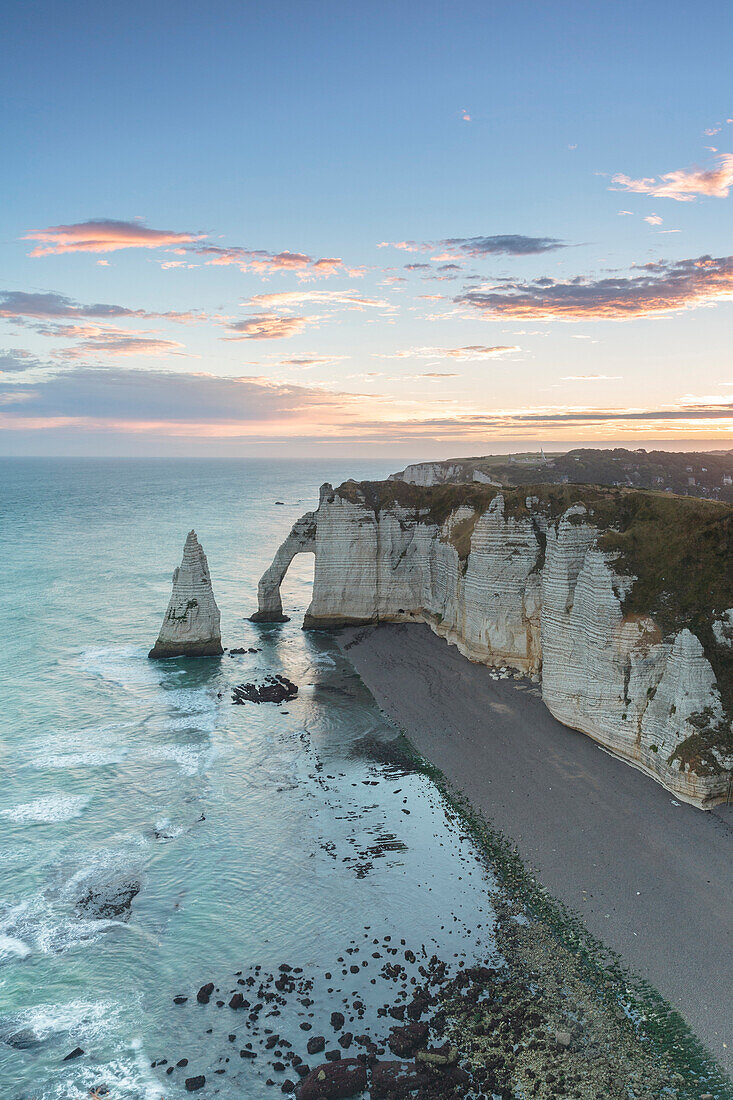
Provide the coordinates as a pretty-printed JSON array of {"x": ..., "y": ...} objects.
[{"x": 549, "y": 1014}]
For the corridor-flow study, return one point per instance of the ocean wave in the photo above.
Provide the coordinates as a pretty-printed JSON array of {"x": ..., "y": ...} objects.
[
  {"x": 86, "y": 1020},
  {"x": 121, "y": 665},
  {"x": 48, "y": 810},
  {"x": 94, "y": 758}
]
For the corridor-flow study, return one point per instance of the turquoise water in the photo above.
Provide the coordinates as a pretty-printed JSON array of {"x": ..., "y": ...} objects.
[{"x": 235, "y": 836}]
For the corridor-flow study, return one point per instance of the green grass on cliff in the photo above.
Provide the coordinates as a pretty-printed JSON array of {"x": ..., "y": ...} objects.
[{"x": 679, "y": 548}]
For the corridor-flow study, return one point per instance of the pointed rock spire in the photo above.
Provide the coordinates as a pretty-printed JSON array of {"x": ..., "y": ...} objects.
[{"x": 191, "y": 627}]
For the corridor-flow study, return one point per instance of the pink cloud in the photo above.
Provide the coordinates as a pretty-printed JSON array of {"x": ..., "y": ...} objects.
[
  {"x": 103, "y": 235},
  {"x": 267, "y": 263},
  {"x": 470, "y": 353},
  {"x": 685, "y": 184},
  {"x": 288, "y": 298},
  {"x": 267, "y": 326},
  {"x": 118, "y": 343}
]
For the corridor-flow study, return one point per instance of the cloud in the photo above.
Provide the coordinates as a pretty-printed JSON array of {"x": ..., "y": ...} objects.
[
  {"x": 17, "y": 360},
  {"x": 470, "y": 353},
  {"x": 659, "y": 288},
  {"x": 104, "y": 235},
  {"x": 51, "y": 307},
  {"x": 116, "y": 343},
  {"x": 685, "y": 184},
  {"x": 267, "y": 263},
  {"x": 591, "y": 378},
  {"x": 151, "y": 400},
  {"x": 511, "y": 244},
  {"x": 287, "y": 299},
  {"x": 200, "y": 406},
  {"x": 653, "y": 219},
  {"x": 308, "y": 362},
  {"x": 465, "y": 115},
  {"x": 267, "y": 326},
  {"x": 18, "y": 303}
]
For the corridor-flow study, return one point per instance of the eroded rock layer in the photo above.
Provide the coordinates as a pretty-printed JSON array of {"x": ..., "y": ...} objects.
[{"x": 191, "y": 627}]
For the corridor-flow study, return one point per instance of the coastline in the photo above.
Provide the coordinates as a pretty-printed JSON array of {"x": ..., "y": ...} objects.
[{"x": 648, "y": 876}]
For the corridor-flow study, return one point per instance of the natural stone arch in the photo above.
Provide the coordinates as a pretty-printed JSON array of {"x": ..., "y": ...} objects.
[{"x": 301, "y": 540}]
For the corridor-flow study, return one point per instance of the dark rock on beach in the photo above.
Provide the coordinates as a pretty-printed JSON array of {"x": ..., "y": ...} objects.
[
  {"x": 334, "y": 1081},
  {"x": 107, "y": 900},
  {"x": 204, "y": 994},
  {"x": 193, "y": 1084},
  {"x": 274, "y": 689},
  {"x": 75, "y": 1053},
  {"x": 396, "y": 1079},
  {"x": 25, "y": 1039},
  {"x": 404, "y": 1040}
]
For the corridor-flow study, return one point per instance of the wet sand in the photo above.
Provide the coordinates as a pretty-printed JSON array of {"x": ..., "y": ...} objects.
[{"x": 651, "y": 877}]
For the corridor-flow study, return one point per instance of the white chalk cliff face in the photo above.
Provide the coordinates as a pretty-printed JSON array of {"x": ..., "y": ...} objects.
[
  {"x": 191, "y": 627},
  {"x": 430, "y": 473},
  {"x": 530, "y": 593}
]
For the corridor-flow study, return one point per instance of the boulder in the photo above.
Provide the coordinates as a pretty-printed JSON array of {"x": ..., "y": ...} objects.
[
  {"x": 403, "y": 1041},
  {"x": 334, "y": 1081},
  {"x": 396, "y": 1079}
]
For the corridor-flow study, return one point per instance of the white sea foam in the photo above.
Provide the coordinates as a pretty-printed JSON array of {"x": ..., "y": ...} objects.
[
  {"x": 123, "y": 665},
  {"x": 192, "y": 760},
  {"x": 52, "y": 808},
  {"x": 166, "y": 831},
  {"x": 86, "y": 1019},
  {"x": 12, "y": 947},
  {"x": 95, "y": 758}
]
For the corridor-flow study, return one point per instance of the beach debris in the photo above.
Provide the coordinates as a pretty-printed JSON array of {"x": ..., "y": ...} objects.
[
  {"x": 274, "y": 689},
  {"x": 191, "y": 626}
]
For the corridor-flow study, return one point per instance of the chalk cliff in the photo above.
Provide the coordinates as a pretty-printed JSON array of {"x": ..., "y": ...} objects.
[
  {"x": 191, "y": 627},
  {"x": 629, "y": 636}
]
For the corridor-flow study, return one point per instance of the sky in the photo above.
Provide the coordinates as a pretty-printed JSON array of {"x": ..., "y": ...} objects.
[{"x": 414, "y": 229}]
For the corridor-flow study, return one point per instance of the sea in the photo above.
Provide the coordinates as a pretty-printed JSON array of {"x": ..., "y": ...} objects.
[{"x": 155, "y": 837}]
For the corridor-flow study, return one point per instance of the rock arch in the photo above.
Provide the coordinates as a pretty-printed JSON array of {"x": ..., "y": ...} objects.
[{"x": 301, "y": 540}]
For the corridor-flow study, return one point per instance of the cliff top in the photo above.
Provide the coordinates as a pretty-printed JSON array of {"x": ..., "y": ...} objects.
[{"x": 690, "y": 473}]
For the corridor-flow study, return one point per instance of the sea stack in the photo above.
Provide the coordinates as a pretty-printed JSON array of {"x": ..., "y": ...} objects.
[{"x": 191, "y": 627}]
